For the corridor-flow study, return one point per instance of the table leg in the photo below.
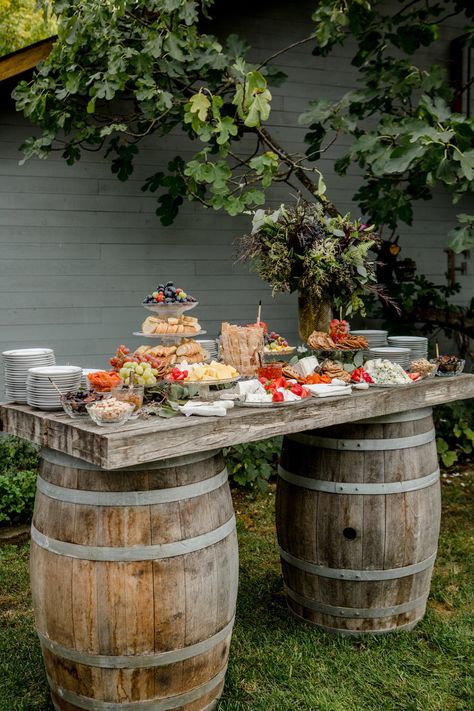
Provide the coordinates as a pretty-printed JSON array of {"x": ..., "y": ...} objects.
[
  {"x": 134, "y": 580},
  {"x": 358, "y": 514}
]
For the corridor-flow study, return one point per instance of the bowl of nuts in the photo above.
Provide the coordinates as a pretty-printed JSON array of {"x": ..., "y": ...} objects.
[{"x": 110, "y": 412}]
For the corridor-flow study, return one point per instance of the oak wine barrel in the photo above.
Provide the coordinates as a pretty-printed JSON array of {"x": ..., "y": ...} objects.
[
  {"x": 358, "y": 514},
  {"x": 134, "y": 579}
]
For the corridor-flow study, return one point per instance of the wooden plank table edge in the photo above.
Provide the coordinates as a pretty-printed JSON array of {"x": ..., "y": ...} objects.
[{"x": 155, "y": 439}]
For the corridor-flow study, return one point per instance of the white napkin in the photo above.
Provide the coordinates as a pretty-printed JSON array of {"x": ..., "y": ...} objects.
[
  {"x": 204, "y": 409},
  {"x": 326, "y": 390}
]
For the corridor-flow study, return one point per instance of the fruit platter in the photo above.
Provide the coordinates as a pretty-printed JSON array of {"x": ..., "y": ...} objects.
[
  {"x": 276, "y": 345},
  {"x": 169, "y": 299}
]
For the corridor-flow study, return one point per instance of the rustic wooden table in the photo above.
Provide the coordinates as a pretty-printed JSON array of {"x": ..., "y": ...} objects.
[
  {"x": 134, "y": 556},
  {"x": 157, "y": 438}
]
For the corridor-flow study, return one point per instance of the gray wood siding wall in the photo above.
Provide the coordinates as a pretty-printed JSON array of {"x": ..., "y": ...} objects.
[{"x": 79, "y": 249}]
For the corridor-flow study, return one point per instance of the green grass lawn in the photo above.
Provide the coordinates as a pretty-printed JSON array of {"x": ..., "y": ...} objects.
[{"x": 279, "y": 665}]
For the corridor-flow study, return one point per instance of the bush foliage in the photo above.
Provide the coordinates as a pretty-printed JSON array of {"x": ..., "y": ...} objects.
[
  {"x": 252, "y": 465},
  {"x": 19, "y": 462}
]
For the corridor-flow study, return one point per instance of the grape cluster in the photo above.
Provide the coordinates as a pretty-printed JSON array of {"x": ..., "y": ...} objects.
[
  {"x": 168, "y": 294},
  {"x": 273, "y": 341},
  {"x": 139, "y": 373}
]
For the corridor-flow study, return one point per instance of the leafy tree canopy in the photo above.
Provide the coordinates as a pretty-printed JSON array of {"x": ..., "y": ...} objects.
[
  {"x": 23, "y": 22},
  {"x": 124, "y": 69}
]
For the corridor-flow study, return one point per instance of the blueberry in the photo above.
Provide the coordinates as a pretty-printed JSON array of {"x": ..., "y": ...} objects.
[
  {"x": 160, "y": 287},
  {"x": 169, "y": 283},
  {"x": 168, "y": 300}
]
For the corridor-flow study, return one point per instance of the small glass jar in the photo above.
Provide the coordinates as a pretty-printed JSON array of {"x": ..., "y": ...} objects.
[
  {"x": 270, "y": 371},
  {"x": 131, "y": 394}
]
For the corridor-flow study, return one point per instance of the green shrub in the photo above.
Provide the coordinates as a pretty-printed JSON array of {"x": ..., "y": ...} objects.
[
  {"x": 455, "y": 436},
  {"x": 253, "y": 464},
  {"x": 19, "y": 462}
]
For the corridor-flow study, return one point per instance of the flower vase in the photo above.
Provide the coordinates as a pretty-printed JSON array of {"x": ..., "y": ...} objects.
[{"x": 313, "y": 315}]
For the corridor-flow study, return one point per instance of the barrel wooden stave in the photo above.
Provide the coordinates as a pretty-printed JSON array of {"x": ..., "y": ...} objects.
[
  {"x": 168, "y": 604},
  {"x": 397, "y": 529}
]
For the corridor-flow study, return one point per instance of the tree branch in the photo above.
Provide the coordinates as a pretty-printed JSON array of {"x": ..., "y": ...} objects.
[
  {"x": 285, "y": 49},
  {"x": 299, "y": 172}
]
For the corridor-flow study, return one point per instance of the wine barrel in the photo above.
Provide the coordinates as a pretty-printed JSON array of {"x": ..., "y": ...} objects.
[
  {"x": 358, "y": 514},
  {"x": 134, "y": 580}
]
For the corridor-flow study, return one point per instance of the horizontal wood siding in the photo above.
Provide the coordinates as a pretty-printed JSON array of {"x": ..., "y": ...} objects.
[{"x": 79, "y": 249}]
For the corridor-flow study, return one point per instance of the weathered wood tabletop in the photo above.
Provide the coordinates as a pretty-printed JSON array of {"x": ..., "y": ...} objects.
[{"x": 157, "y": 438}]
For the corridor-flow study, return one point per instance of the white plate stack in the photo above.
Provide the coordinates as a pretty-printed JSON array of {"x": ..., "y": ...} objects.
[
  {"x": 375, "y": 339},
  {"x": 16, "y": 365},
  {"x": 418, "y": 345},
  {"x": 42, "y": 394},
  {"x": 210, "y": 346},
  {"x": 395, "y": 355}
]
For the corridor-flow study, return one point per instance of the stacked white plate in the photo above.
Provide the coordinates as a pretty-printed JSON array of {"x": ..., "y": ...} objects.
[
  {"x": 42, "y": 394},
  {"x": 418, "y": 345},
  {"x": 395, "y": 355},
  {"x": 210, "y": 346},
  {"x": 375, "y": 339},
  {"x": 16, "y": 365},
  {"x": 85, "y": 372}
]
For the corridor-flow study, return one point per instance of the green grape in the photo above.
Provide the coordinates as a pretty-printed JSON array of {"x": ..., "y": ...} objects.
[
  {"x": 139, "y": 369},
  {"x": 128, "y": 365}
]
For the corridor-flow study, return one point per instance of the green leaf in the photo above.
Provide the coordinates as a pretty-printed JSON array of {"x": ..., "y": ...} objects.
[
  {"x": 401, "y": 158},
  {"x": 200, "y": 105},
  {"x": 449, "y": 458},
  {"x": 259, "y": 109}
]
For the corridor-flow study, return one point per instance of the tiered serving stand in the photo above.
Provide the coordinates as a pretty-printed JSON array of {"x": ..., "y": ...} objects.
[{"x": 175, "y": 310}]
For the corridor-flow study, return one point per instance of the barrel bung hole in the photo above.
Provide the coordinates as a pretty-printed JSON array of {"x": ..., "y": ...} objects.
[{"x": 349, "y": 533}]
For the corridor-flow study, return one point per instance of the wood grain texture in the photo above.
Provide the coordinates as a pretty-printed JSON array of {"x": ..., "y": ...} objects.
[
  {"x": 157, "y": 439},
  {"x": 358, "y": 532},
  {"x": 114, "y": 620},
  {"x": 27, "y": 58}
]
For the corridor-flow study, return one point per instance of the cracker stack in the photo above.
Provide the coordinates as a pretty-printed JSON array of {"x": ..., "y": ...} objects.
[{"x": 240, "y": 346}]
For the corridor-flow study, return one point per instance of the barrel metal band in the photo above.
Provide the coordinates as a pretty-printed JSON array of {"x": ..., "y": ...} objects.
[
  {"x": 52, "y": 456},
  {"x": 131, "y": 498},
  {"x": 356, "y": 633},
  {"x": 140, "y": 661},
  {"x": 365, "y": 445},
  {"x": 336, "y": 487},
  {"x": 360, "y": 612},
  {"x": 133, "y": 553},
  {"x": 359, "y": 575},
  {"x": 163, "y": 704},
  {"x": 409, "y": 416}
]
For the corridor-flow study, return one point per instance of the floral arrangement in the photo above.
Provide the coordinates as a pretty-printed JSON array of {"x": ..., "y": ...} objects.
[{"x": 302, "y": 248}]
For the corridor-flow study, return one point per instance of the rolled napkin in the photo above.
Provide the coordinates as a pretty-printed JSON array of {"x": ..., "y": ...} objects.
[
  {"x": 326, "y": 390},
  {"x": 204, "y": 409}
]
